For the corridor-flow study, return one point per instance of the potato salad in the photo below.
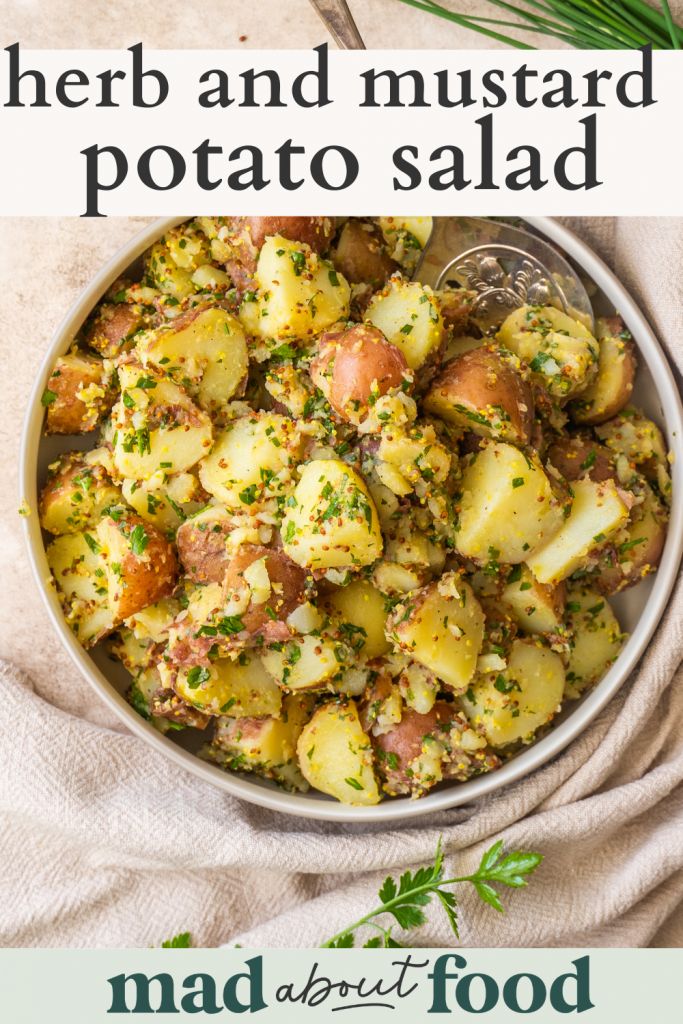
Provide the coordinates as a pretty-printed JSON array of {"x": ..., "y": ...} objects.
[{"x": 361, "y": 544}]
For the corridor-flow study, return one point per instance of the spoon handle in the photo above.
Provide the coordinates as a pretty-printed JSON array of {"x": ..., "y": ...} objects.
[{"x": 337, "y": 18}]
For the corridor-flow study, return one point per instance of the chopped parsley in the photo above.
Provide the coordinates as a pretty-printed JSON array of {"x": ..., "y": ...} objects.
[
  {"x": 197, "y": 675},
  {"x": 298, "y": 259},
  {"x": 92, "y": 543},
  {"x": 138, "y": 539},
  {"x": 249, "y": 494},
  {"x": 353, "y": 783},
  {"x": 230, "y": 624},
  {"x": 290, "y": 530}
]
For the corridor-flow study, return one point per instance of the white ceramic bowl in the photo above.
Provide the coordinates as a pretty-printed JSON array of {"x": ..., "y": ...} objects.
[{"x": 639, "y": 609}]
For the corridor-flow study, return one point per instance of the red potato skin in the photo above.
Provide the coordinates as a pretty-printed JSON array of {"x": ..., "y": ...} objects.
[
  {"x": 456, "y": 310},
  {"x": 350, "y": 362},
  {"x": 231, "y": 730},
  {"x": 112, "y": 329},
  {"x": 479, "y": 379},
  {"x": 395, "y": 750},
  {"x": 60, "y": 479},
  {"x": 539, "y": 439},
  {"x": 360, "y": 255},
  {"x": 612, "y": 580},
  {"x": 643, "y": 559},
  {"x": 288, "y": 583},
  {"x": 569, "y": 457},
  {"x": 203, "y": 553},
  {"x": 288, "y": 586},
  {"x": 67, "y": 414},
  {"x": 247, "y": 235},
  {"x": 610, "y": 327},
  {"x": 188, "y": 650},
  {"x": 405, "y": 740},
  {"x": 143, "y": 579}
]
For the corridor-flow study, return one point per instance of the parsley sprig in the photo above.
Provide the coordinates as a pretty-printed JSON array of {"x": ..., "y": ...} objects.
[
  {"x": 406, "y": 899},
  {"x": 181, "y": 941}
]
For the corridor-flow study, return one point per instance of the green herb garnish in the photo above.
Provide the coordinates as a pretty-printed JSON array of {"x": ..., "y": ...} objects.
[{"x": 406, "y": 899}]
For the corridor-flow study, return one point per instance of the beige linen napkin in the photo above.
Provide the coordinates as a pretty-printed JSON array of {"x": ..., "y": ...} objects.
[{"x": 103, "y": 842}]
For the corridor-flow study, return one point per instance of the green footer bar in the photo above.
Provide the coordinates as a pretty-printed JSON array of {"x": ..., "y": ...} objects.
[{"x": 401, "y": 986}]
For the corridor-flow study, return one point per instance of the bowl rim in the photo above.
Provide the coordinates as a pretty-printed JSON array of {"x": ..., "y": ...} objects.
[{"x": 401, "y": 809}]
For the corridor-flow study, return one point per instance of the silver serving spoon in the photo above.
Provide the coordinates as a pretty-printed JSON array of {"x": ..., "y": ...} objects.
[
  {"x": 340, "y": 24},
  {"x": 505, "y": 265}
]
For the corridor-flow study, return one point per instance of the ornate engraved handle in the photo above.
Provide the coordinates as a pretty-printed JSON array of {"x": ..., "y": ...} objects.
[
  {"x": 505, "y": 265},
  {"x": 504, "y": 278}
]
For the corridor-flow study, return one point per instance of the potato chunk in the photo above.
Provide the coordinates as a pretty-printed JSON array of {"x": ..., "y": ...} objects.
[
  {"x": 205, "y": 350},
  {"x": 141, "y": 565},
  {"x": 598, "y": 509},
  {"x": 423, "y": 749},
  {"x": 241, "y": 239},
  {"x": 264, "y": 746},
  {"x": 535, "y": 607},
  {"x": 611, "y": 390},
  {"x": 441, "y": 626},
  {"x": 335, "y": 755},
  {"x": 355, "y": 367},
  {"x": 575, "y": 457},
  {"x": 407, "y": 314},
  {"x": 78, "y": 394},
  {"x": 512, "y": 704},
  {"x": 241, "y": 688},
  {"x": 77, "y": 491},
  {"x": 202, "y": 545},
  {"x": 78, "y": 569},
  {"x": 406, "y": 237},
  {"x": 333, "y": 521},
  {"x": 561, "y": 353},
  {"x": 299, "y": 294},
  {"x": 146, "y": 697},
  {"x": 636, "y": 549},
  {"x": 251, "y": 460},
  {"x": 166, "y": 275},
  {"x": 113, "y": 328},
  {"x": 152, "y": 624},
  {"x": 305, "y": 662},
  {"x": 164, "y": 501},
  {"x": 638, "y": 442},
  {"x": 361, "y": 256},
  {"x": 362, "y": 607},
  {"x": 483, "y": 393},
  {"x": 596, "y": 640},
  {"x": 457, "y": 309},
  {"x": 158, "y": 428},
  {"x": 269, "y": 583},
  {"x": 507, "y": 508}
]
